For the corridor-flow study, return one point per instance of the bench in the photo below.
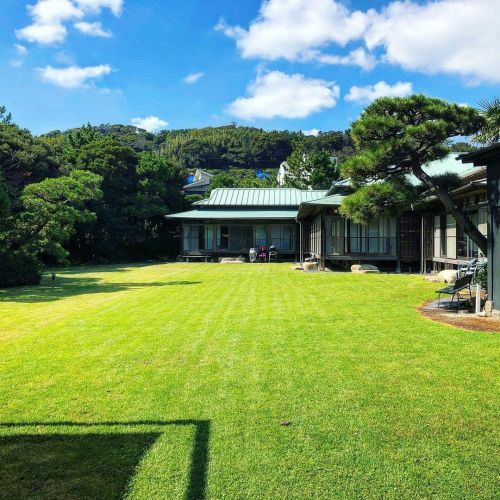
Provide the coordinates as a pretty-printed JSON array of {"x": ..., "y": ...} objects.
[
  {"x": 194, "y": 254},
  {"x": 454, "y": 290}
]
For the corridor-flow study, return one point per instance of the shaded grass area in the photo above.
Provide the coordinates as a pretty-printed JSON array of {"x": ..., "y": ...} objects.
[{"x": 171, "y": 381}]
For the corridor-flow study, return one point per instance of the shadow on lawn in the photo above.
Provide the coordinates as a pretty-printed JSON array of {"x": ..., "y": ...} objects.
[
  {"x": 71, "y": 286},
  {"x": 90, "y": 465}
]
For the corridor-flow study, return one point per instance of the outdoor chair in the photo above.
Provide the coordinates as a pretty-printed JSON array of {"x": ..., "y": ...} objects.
[
  {"x": 273, "y": 254},
  {"x": 252, "y": 255},
  {"x": 454, "y": 290},
  {"x": 262, "y": 257}
]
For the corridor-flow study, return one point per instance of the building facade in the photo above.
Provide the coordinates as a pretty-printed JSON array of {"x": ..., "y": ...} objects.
[
  {"x": 231, "y": 221},
  {"x": 445, "y": 245}
]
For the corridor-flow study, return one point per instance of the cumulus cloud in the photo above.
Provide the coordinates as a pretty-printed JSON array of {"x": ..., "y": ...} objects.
[
  {"x": 93, "y": 29},
  {"x": 314, "y": 132},
  {"x": 448, "y": 36},
  {"x": 115, "y": 6},
  {"x": 73, "y": 76},
  {"x": 193, "y": 77},
  {"x": 358, "y": 57},
  {"x": 279, "y": 95},
  {"x": 295, "y": 30},
  {"x": 149, "y": 123},
  {"x": 50, "y": 17},
  {"x": 367, "y": 94},
  {"x": 456, "y": 37}
]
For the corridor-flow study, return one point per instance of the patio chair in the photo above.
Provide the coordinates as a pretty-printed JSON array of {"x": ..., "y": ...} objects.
[
  {"x": 454, "y": 290},
  {"x": 262, "y": 255},
  {"x": 273, "y": 254}
]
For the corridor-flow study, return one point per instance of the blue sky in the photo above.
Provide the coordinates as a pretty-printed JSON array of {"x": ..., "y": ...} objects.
[{"x": 278, "y": 64}]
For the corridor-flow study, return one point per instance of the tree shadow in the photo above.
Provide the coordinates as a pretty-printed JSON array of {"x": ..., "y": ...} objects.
[
  {"x": 69, "y": 286},
  {"x": 89, "y": 465}
]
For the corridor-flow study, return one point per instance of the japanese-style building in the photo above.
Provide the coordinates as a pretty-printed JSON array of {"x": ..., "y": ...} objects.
[{"x": 231, "y": 221}]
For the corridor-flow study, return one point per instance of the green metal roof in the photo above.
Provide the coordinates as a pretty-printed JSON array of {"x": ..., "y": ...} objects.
[
  {"x": 449, "y": 164},
  {"x": 333, "y": 200},
  {"x": 260, "y": 197},
  {"x": 234, "y": 214}
]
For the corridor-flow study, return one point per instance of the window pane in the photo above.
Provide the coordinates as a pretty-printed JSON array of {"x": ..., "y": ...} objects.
[
  {"x": 260, "y": 236},
  {"x": 223, "y": 240},
  {"x": 209, "y": 237}
]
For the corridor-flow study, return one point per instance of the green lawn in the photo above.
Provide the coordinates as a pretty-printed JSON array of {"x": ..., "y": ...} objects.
[{"x": 171, "y": 381}]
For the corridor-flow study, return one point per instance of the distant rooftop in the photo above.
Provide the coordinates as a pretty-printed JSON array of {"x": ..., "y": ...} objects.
[{"x": 260, "y": 197}]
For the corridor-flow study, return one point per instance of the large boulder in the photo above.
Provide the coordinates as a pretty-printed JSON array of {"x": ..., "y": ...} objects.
[
  {"x": 232, "y": 260},
  {"x": 310, "y": 266},
  {"x": 364, "y": 269},
  {"x": 446, "y": 276}
]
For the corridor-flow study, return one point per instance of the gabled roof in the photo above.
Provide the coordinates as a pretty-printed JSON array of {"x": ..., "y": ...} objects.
[
  {"x": 201, "y": 182},
  {"x": 333, "y": 200},
  {"x": 260, "y": 197},
  {"x": 309, "y": 207},
  {"x": 482, "y": 156}
]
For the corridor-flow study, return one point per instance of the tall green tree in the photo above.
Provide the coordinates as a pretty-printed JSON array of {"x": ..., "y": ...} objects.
[
  {"x": 241, "y": 178},
  {"x": 315, "y": 169},
  {"x": 51, "y": 209},
  {"x": 394, "y": 137},
  {"x": 111, "y": 236},
  {"x": 5, "y": 116}
]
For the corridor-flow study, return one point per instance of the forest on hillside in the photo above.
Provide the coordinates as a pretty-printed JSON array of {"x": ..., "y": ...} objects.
[{"x": 222, "y": 148}]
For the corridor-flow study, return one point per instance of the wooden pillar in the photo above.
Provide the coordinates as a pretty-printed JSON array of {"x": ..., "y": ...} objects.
[{"x": 493, "y": 182}]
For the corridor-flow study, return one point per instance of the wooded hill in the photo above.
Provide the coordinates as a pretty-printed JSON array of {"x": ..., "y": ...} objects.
[{"x": 223, "y": 148}]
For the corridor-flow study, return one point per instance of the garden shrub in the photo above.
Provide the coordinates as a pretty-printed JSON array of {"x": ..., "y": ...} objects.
[{"x": 19, "y": 268}]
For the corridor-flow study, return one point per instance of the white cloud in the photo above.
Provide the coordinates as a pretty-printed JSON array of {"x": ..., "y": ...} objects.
[
  {"x": 116, "y": 6},
  {"x": 51, "y": 16},
  {"x": 314, "y": 132},
  {"x": 21, "y": 53},
  {"x": 193, "y": 78},
  {"x": 276, "y": 94},
  {"x": 296, "y": 29},
  {"x": 458, "y": 37},
  {"x": 53, "y": 11},
  {"x": 93, "y": 29},
  {"x": 358, "y": 57},
  {"x": 45, "y": 34},
  {"x": 20, "y": 49},
  {"x": 449, "y": 36},
  {"x": 149, "y": 123},
  {"x": 367, "y": 94},
  {"x": 73, "y": 76}
]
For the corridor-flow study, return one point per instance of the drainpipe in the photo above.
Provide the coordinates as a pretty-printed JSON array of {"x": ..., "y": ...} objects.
[
  {"x": 422, "y": 246},
  {"x": 301, "y": 241},
  {"x": 301, "y": 252}
]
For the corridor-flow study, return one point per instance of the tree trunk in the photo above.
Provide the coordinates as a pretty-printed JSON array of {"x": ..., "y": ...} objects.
[{"x": 449, "y": 204}]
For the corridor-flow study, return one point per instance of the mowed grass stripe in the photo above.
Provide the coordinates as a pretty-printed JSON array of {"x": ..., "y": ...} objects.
[{"x": 381, "y": 402}]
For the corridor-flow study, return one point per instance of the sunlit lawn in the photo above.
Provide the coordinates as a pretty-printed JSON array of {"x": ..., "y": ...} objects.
[{"x": 173, "y": 380}]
